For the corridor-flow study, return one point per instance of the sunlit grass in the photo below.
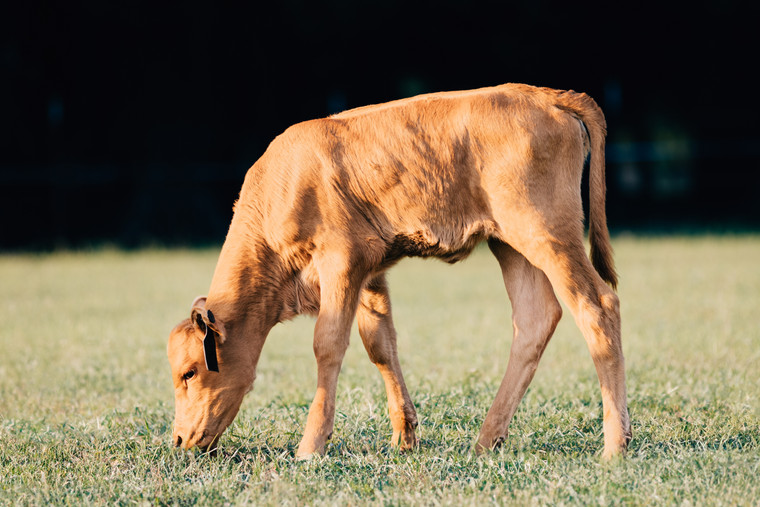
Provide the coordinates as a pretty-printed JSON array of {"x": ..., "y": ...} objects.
[{"x": 86, "y": 400}]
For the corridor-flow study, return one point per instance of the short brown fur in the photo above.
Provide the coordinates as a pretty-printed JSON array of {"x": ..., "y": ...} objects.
[{"x": 333, "y": 203}]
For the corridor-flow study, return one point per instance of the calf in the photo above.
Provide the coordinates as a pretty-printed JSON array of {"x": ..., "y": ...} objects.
[{"x": 333, "y": 203}]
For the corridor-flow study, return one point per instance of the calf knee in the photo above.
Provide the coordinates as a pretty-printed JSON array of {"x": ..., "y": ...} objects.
[
  {"x": 329, "y": 349},
  {"x": 539, "y": 322},
  {"x": 610, "y": 303}
]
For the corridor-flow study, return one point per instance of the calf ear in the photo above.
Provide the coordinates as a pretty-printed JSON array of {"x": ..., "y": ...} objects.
[
  {"x": 212, "y": 329},
  {"x": 204, "y": 318},
  {"x": 199, "y": 317},
  {"x": 200, "y": 302}
]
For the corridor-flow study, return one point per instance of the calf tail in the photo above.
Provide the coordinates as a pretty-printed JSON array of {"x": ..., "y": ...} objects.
[{"x": 599, "y": 237}]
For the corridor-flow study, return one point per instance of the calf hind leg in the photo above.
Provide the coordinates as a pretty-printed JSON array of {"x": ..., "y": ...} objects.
[
  {"x": 379, "y": 338},
  {"x": 535, "y": 314},
  {"x": 596, "y": 310}
]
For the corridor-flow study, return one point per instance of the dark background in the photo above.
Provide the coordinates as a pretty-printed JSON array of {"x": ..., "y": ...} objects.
[{"x": 134, "y": 122}]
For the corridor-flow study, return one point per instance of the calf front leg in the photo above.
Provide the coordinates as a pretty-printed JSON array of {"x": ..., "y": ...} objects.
[
  {"x": 379, "y": 338},
  {"x": 338, "y": 301}
]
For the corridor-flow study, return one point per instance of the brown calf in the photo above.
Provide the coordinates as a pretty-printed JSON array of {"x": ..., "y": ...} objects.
[{"x": 333, "y": 203}]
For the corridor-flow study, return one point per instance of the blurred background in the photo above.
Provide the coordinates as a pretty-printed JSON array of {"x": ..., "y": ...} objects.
[{"x": 134, "y": 122}]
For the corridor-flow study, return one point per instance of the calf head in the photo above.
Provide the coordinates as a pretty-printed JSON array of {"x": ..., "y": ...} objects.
[{"x": 210, "y": 378}]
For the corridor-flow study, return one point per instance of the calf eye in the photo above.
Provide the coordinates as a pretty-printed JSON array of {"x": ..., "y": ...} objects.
[{"x": 188, "y": 375}]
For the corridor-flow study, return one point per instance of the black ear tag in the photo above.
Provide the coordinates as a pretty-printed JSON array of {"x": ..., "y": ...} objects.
[{"x": 209, "y": 350}]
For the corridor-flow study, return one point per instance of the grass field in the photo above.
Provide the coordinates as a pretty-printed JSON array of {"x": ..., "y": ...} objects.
[{"x": 86, "y": 401}]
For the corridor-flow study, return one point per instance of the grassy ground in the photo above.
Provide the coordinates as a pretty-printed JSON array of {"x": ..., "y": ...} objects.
[{"x": 86, "y": 400}]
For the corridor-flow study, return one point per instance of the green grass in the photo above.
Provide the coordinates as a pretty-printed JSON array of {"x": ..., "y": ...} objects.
[{"x": 86, "y": 402}]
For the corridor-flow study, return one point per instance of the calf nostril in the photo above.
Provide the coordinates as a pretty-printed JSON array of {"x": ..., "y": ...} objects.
[{"x": 178, "y": 441}]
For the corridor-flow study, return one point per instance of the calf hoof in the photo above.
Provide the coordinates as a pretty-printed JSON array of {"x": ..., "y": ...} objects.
[
  {"x": 619, "y": 447},
  {"x": 487, "y": 445},
  {"x": 612, "y": 452},
  {"x": 405, "y": 442},
  {"x": 405, "y": 439},
  {"x": 308, "y": 448},
  {"x": 306, "y": 455}
]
